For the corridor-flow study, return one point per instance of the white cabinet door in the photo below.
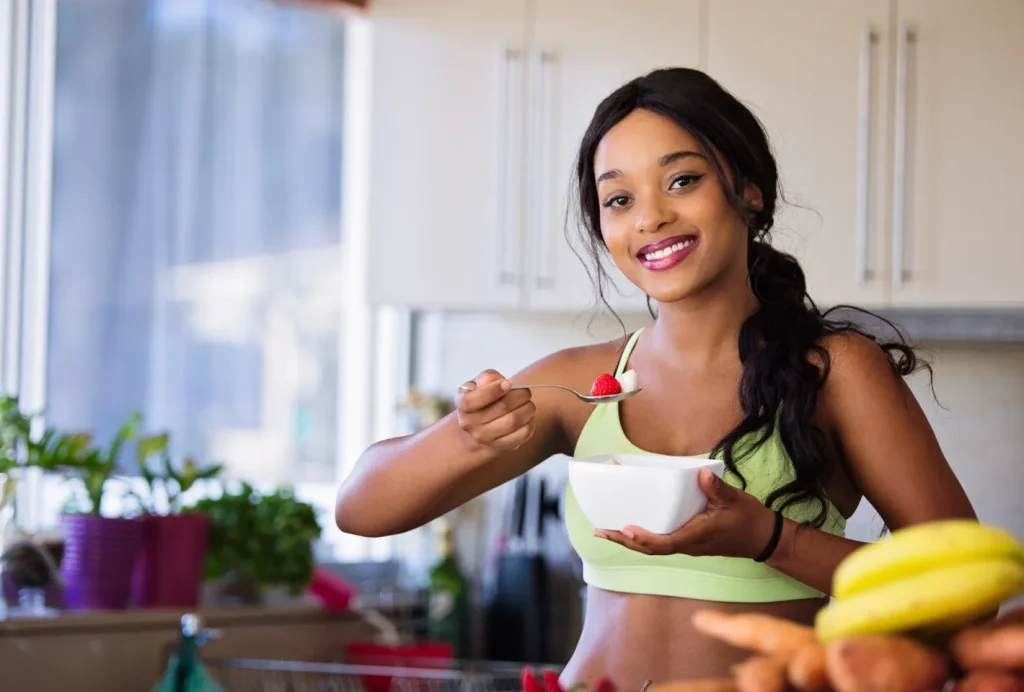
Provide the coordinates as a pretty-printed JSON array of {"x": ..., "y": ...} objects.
[
  {"x": 816, "y": 73},
  {"x": 446, "y": 150},
  {"x": 958, "y": 236},
  {"x": 581, "y": 51}
]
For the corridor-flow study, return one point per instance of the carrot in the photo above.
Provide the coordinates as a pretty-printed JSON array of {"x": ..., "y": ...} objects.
[
  {"x": 990, "y": 646},
  {"x": 884, "y": 664},
  {"x": 710, "y": 685},
  {"x": 760, "y": 674},
  {"x": 807, "y": 671},
  {"x": 762, "y": 633},
  {"x": 990, "y": 681}
]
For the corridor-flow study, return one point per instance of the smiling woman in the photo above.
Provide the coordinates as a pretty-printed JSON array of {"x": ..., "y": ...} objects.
[{"x": 677, "y": 184}]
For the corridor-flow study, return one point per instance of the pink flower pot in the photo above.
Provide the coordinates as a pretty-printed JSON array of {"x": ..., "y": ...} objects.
[
  {"x": 169, "y": 569},
  {"x": 99, "y": 556}
]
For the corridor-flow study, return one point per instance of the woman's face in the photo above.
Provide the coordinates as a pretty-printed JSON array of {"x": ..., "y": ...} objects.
[{"x": 664, "y": 215}]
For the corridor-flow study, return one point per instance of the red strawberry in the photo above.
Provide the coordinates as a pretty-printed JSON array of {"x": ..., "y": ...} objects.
[
  {"x": 551, "y": 683},
  {"x": 604, "y": 685},
  {"x": 605, "y": 385},
  {"x": 529, "y": 681}
]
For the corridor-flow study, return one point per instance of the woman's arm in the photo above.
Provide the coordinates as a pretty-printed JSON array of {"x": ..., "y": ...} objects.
[
  {"x": 492, "y": 437},
  {"x": 890, "y": 453}
]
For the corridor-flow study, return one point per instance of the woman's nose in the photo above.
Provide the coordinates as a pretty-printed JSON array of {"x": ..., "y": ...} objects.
[{"x": 652, "y": 214}]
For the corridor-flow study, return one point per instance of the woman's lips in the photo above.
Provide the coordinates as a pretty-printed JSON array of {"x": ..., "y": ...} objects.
[{"x": 666, "y": 253}]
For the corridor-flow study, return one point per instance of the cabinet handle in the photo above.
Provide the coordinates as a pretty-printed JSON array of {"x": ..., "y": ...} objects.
[
  {"x": 509, "y": 165},
  {"x": 867, "y": 38},
  {"x": 541, "y": 151},
  {"x": 899, "y": 273}
]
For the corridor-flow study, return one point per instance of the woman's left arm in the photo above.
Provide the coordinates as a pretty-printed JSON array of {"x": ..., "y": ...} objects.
[{"x": 889, "y": 452}]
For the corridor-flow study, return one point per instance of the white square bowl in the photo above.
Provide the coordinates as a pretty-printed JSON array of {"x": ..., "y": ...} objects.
[{"x": 656, "y": 493}]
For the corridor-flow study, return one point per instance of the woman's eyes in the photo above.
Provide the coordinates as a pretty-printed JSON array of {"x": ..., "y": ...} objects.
[
  {"x": 679, "y": 182},
  {"x": 683, "y": 181}
]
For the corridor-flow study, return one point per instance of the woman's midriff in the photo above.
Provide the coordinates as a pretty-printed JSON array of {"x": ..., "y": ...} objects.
[{"x": 632, "y": 638}]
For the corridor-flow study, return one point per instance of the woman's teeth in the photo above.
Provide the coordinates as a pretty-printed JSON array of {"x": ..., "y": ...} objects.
[{"x": 665, "y": 252}]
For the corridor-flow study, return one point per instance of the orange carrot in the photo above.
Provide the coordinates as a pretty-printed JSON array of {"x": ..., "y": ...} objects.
[
  {"x": 990, "y": 681},
  {"x": 990, "y": 646},
  {"x": 760, "y": 674},
  {"x": 762, "y": 633},
  {"x": 884, "y": 663},
  {"x": 807, "y": 670}
]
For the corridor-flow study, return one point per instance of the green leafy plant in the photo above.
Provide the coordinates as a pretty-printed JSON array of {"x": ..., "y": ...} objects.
[
  {"x": 49, "y": 451},
  {"x": 162, "y": 479},
  {"x": 267, "y": 539},
  {"x": 94, "y": 466}
]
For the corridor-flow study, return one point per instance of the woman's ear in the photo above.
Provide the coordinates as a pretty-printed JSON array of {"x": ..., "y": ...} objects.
[{"x": 753, "y": 197}]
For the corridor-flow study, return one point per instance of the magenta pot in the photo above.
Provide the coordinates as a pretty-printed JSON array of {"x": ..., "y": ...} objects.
[
  {"x": 99, "y": 556},
  {"x": 169, "y": 569}
]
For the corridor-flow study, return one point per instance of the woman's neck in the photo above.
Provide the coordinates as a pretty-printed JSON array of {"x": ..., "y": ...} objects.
[{"x": 704, "y": 328}]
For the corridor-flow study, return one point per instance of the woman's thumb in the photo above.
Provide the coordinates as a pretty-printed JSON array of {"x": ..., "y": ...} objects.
[{"x": 712, "y": 485}]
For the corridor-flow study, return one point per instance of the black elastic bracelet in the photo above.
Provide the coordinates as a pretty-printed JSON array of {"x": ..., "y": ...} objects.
[{"x": 773, "y": 543}]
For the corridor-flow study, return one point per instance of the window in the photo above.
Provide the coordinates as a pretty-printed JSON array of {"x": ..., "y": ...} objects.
[
  {"x": 188, "y": 256},
  {"x": 196, "y": 228}
]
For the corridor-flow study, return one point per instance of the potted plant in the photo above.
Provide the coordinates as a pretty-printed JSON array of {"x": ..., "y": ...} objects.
[
  {"x": 169, "y": 569},
  {"x": 29, "y": 561},
  {"x": 259, "y": 541},
  {"x": 99, "y": 551}
]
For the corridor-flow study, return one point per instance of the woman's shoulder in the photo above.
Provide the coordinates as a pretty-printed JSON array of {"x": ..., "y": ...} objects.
[{"x": 860, "y": 371}]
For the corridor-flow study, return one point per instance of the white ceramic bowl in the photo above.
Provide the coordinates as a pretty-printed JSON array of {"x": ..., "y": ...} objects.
[{"x": 656, "y": 493}]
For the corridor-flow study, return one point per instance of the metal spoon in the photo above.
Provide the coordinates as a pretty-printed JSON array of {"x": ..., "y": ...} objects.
[{"x": 606, "y": 399}]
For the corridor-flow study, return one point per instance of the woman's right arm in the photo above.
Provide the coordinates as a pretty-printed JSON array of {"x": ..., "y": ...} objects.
[{"x": 493, "y": 436}]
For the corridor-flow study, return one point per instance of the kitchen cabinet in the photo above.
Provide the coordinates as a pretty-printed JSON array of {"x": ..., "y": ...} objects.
[
  {"x": 896, "y": 124},
  {"x": 898, "y": 141},
  {"x": 447, "y": 145},
  {"x": 477, "y": 112},
  {"x": 823, "y": 98},
  {"x": 957, "y": 233}
]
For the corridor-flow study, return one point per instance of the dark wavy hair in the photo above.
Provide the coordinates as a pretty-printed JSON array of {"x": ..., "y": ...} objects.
[{"x": 784, "y": 362}]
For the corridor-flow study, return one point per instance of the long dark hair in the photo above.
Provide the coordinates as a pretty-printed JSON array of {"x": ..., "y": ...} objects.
[{"x": 784, "y": 362}]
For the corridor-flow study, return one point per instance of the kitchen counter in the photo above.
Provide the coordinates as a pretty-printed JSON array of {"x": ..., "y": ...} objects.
[{"x": 127, "y": 650}]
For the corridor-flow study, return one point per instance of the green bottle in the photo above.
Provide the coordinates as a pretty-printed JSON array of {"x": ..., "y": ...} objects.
[{"x": 448, "y": 605}]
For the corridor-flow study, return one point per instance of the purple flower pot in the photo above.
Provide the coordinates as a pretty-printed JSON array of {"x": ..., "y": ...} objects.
[
  {"x": 99, "y": 555},
  {"x": 169, "y": 569}
]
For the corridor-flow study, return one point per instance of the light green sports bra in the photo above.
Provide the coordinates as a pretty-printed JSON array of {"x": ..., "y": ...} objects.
[{"x": 611, "y": 567}]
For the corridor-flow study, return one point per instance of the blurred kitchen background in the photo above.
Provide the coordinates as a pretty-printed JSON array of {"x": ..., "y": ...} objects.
[{"x": 281, "y": 230}]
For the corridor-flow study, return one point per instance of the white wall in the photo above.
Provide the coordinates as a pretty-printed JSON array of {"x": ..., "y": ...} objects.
[{"x": 981, "y": 387}]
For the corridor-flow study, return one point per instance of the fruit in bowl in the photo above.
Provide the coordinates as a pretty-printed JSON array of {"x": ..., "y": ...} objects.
[{"x": 656, "y": 493}]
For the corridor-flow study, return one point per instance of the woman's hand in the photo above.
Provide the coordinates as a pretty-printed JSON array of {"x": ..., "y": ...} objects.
[
  {"x": 492, "y": 415},
  {"x": 734, "y": 524}
]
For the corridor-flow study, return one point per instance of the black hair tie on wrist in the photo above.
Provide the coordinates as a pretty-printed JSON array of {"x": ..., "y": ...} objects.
[{"x": 773, "y": 543}]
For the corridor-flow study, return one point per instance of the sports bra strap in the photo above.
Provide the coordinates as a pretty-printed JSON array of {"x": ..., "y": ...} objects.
[{"x": 627, "y": 352}]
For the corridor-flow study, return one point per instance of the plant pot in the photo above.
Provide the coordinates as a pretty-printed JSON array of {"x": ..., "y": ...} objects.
[
  {"x": 169, "y": 568},
  {"x": 99, "y": 556}
]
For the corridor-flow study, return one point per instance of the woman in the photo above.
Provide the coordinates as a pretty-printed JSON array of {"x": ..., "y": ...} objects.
[{"x": 676, "y": 182}]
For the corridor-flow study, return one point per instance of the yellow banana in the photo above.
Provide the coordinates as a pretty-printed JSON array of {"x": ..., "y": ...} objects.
[
  {"x": 920, "y": 548},
  {"x": 944, "y": 597}
]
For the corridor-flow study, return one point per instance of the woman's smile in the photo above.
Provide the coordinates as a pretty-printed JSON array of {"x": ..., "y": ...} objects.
[{"x": 667, "y": 253}]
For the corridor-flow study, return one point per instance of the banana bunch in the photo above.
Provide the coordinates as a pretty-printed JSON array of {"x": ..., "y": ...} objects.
[{"x": 925, "y": 578}]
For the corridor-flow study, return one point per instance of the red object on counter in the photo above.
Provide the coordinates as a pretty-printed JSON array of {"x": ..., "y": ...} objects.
[
  {"x": 334, "y": 592},
  {"x": 422, "y": 655}
]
